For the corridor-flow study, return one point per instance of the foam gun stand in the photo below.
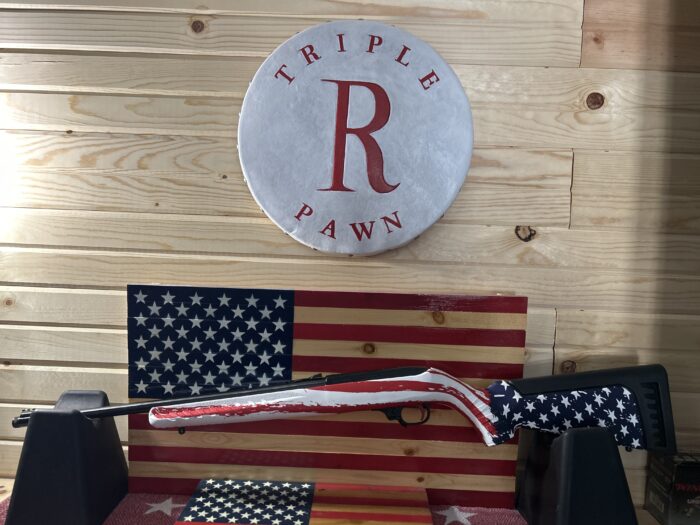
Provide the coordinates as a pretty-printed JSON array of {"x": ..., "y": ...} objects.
[{"x": 72, "y": 469}]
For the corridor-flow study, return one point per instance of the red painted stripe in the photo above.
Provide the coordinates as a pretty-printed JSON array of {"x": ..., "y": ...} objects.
[
  {"x": 387, "y": 502},
  {"x": 322, "y": 460},
  {"x": 418, "y": 491},
  {"x": 370, "y": 516},
  {"x": 471, "y": 498},
  {"x": 395, "y": 301},
  {"x": 388, "y": 430},
  {"x": 410, "y": 334},
  {"x": 338, "y": 365}
]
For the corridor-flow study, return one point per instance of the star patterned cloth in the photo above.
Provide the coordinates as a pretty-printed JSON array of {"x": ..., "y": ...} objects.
[
  {"x": 249, "y": 502},
  {"x": 189, "y": 341},
  {"x": 613, "y": 407}
]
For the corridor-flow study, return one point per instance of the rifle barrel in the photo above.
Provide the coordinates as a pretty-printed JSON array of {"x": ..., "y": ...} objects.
[{"x": 142, "y": 407}]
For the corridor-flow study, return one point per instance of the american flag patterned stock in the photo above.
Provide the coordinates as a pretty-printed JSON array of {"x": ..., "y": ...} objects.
[{"x": 495, "y": 412}]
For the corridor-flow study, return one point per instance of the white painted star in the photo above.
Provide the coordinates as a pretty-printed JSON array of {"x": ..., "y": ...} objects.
[
  {"x": 208, "y": 378},
  {"x": 168, "y": 366},
  {"x": 265, "y": 336},
  {"x": 209, "y": 355},
  {"x": 181, "y": 310},
  {"x": 196, "y": 299},
  {"x": 140, "y": 320},
  {"x": 278, "y": 371},
  {"x": 237, "y": 335},
  {"x": 196, "y": 344},
  {"x": 279, "y": 325},
  {"x": 168, "y": 388},
  {"x": 223, "y": 300},
  {"x": 223, "y": 323},
  {"x": 530, "y": 406},
  {"x": 154, "y": 309},
  {"x": 456, "y": 514},
  {"x": 181, "y": 332},
  {"x": 250, "y": 369},
  {"x": 238, "y": 311},
  {"x": 265, "y": 358},
  {"x": 250, "y": 347},
  {"x": 195, "y": 367},
  {"x": 141, "y": 364},
  {"x": 140, "y": 297},
  {"x": 195, "y": 389},
  {"x": 237, "y": 379},
  {"x": 181, "y": 377},
  {"x": 210, "y": 310},
  {"x": 168, "y": 343},
  {"x": 279, "y": 347},
  {"x": 168, "y": 321},
  {"x": 264, "y": 380},
  {"x": 210, "y": 333},
  {"x": 168, "y": 298},
  {"x": 166, "y": 507},
  {"x": 155, "y": 376},
  {"x": 182, "y": 355},
  {"x": 252, "y": 300},
  {"x": 279, "y": 302},
  {"x": 196, "y": 321},
  {"x": 635, "y": 443},
  {"x": 223, "y": 345},
  {"x": 155, "y": 354},
  {"x": 252, "y": 323},
  {"x": 237, "y": 357},
  {"x": 140, "y": 386}
]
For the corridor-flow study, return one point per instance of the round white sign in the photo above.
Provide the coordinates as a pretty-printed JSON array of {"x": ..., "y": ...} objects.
[{"x": 355, "y": 137}]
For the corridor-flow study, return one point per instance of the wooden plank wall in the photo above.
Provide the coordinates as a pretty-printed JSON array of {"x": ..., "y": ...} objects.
[{"x": 118, "y": 164}]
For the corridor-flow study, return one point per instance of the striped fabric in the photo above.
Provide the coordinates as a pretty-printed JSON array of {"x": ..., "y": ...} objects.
[{"x": 477, "y": 339}]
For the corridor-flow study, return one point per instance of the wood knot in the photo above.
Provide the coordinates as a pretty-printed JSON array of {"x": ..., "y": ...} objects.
[
  {"x": 568, "y": 367},
  {"x": 595, "y": 100},
  {"x": 9, "y": 301},
  {"x": 410, "y": 452},
  {"x": 69, "y": 132},
  {"x": 439, "y": 317},
  {"x": 420, "y": 479},
  {"x": 525, "y": 233},
  {"x": 224, "y": 176},
  {"x": 197, "y": 26},
  {"x": 369, "y": 348}
]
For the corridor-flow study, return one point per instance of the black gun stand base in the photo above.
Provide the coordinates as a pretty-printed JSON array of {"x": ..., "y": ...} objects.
[{"x": 72, "y": 470}]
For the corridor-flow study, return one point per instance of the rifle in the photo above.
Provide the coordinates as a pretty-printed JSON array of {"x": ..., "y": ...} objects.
[{"x": 550, "y": 404}]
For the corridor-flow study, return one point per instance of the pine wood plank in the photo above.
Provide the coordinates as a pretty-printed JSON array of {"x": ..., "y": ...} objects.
[
  {"x": 9, "y": 457},
  {"x": 648, "y": 34},
  {"x": 53, "y": 346},
  {"x": 636, "y": 172},
  {"x": 459, "y": 41},
  {"x": 657, "y": 48},
  {"x": 645, "y": 210},
  {"x": 613, "y": 290},
  {"x": 549, "y": 111},
  {"x": 517, "y": 10},
  {"x": 653, "y": 191},
  {"x": 29, "y": 384},
  {"x": 63, "y": 306},
  {"x": 444, "y": 242},
  {"x": 6, "y": 485},
  {"x": 659, "y": 12},
  {"x": 605, "y": 329},
  {"x": 562, "y": 89},
  {"x": 191, "y": 157},
  {"x": 681, "y": 365},
  {"x": 111, "y": 177}
]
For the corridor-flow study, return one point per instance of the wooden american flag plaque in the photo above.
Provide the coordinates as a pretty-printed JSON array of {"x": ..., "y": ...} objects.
[{"x": 187, "y": 341}]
